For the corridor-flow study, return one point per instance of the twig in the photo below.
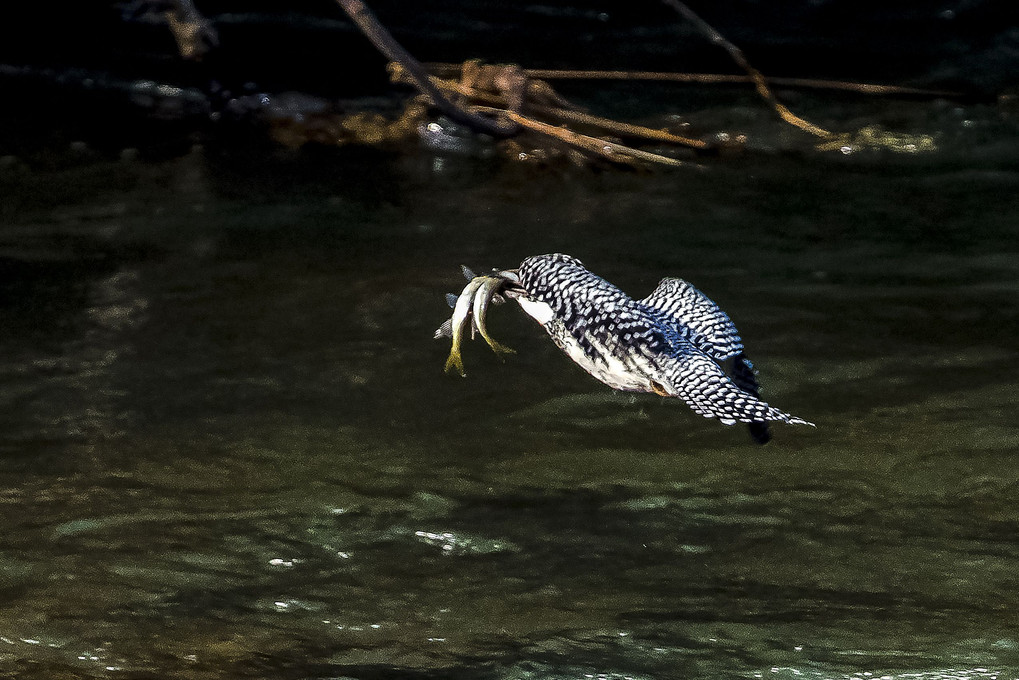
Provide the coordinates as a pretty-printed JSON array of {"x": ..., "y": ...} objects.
[
  {"x": 194, "y": 33},
  {"x": 450, "y": 70},
  {"x": 387, "y": 45},
  {"x": 488, "y": 98},
  {"x": 628, "y": 129},
  {"x": 755, "y": 76},
  {"x": 616, "y": 153},
  {"x": 719, "y": 78}
]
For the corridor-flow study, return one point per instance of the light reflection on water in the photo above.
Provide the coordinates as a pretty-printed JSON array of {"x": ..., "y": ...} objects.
[{"x": 229, "y": 448}]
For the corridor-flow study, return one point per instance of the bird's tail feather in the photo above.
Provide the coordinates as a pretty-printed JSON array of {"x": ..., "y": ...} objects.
[
  {"x": 743, "y": 374},
  {"x": 759, "y": 431}
]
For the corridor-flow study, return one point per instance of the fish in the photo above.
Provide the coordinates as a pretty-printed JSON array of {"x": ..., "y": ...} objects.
[
  {"x": 446, "y": 329},
  {"x": 482, "y": 298},
  {"x": 459, "y": 323},
  {"x": 471, "y": 307}
]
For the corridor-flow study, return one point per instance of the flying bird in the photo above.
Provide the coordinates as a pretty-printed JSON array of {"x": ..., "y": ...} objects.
[{"x": 675, "y": 342}]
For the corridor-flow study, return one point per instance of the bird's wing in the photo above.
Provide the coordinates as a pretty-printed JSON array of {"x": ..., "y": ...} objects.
[
  {"x": 696, "y": 379},
  {"x": 679, "y": 302}
]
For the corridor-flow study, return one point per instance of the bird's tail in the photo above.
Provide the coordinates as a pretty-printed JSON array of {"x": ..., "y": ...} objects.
[
  {"x": 743, "y": 375},
  {"x": 759, "y": 431}
]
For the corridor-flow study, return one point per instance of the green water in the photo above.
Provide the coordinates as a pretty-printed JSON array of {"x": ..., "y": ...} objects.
[{"x": 228, "y": 449}]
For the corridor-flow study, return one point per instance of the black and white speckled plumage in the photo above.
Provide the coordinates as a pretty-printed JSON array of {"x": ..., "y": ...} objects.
[{"x": 674, "y": 342}]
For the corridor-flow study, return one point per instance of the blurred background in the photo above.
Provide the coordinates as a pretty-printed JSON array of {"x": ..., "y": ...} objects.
[{"x": 112, "y": 73}]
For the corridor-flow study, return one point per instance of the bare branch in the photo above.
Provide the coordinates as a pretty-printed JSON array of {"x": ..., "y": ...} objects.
[
  {"x": 572, "y": 116},
  {"x": 617, "y": 153},
  {"x": 387, "y": 45},
  {"x": 627, "y": 129},
  {"x": 718, "y": 78},
  {"x": 755, "y": 76}
]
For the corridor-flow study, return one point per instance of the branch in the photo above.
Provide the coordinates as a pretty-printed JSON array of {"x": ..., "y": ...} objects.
[
  {"x": 194, "y": 33},
  {"x": 617, "y": 153},
  {"x": 627, "y": 129},
  {"x": 717, "y": 78},
  {"x": 443, "y": 70},
  {"x": 387, "y": 45},
  {"x": 497, "y": 102},
  {"x": 755, "y": 76}
]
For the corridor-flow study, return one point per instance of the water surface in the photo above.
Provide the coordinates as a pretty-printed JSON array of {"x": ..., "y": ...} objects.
[{"x": 228, "y": 448}]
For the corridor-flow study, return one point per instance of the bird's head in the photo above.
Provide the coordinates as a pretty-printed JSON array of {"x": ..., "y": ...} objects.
[{"x": 511, "y": 287}]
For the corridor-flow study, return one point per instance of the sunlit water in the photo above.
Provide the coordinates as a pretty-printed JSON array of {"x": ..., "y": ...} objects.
[{"x": 228, "y": 448}]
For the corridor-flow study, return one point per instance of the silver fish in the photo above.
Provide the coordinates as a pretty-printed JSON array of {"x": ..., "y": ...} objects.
[
  {"x": 446, "y": 329},
  {"x": 459, "y": 324},
  {"x": 485, "y": 295}
]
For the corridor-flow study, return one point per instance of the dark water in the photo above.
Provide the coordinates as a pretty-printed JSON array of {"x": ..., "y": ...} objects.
[{"x": 227, "y": 447}]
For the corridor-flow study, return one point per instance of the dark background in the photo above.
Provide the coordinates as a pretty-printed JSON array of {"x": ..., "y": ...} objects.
[
  {"x": 312, "y": 45},
  {"x": 74, "y": 63}
]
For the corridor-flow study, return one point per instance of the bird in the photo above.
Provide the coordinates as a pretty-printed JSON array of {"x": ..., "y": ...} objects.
[{"x": 676, "y": 342}]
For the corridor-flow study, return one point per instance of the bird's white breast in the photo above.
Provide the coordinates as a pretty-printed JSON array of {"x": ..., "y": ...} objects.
[
  {"x": 541, "y": 312},
  {"x": 611, "y": 370}
]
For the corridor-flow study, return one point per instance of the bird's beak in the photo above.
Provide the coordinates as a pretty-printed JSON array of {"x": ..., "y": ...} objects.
[
  {"x": 512, "y": 288},
  {"x": 511, "y": 275}
]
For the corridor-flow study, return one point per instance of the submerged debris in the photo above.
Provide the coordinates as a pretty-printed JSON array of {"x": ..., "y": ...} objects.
[
  {"x": 364, "y": 128},
  {"x": 873, "y": 137},
  {"x": 483, "y": 109},
  {"x": 506, "y": 101}
]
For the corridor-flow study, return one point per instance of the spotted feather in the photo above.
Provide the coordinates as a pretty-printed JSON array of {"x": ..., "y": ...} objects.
[
  {"x": 714, "y": 331},
  {"x": 670, "y": 343}
]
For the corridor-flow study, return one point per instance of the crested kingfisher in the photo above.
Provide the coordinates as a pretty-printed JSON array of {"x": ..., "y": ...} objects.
[{"x": 675, "y": 342}]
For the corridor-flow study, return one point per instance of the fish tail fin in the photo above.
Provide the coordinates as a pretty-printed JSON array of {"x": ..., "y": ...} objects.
[
  {"x": 500, "y": 349},
  {"x": 455, "y": 362}
]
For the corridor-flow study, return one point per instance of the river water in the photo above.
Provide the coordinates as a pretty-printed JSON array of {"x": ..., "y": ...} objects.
[{"x": 227, "y": 447}]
